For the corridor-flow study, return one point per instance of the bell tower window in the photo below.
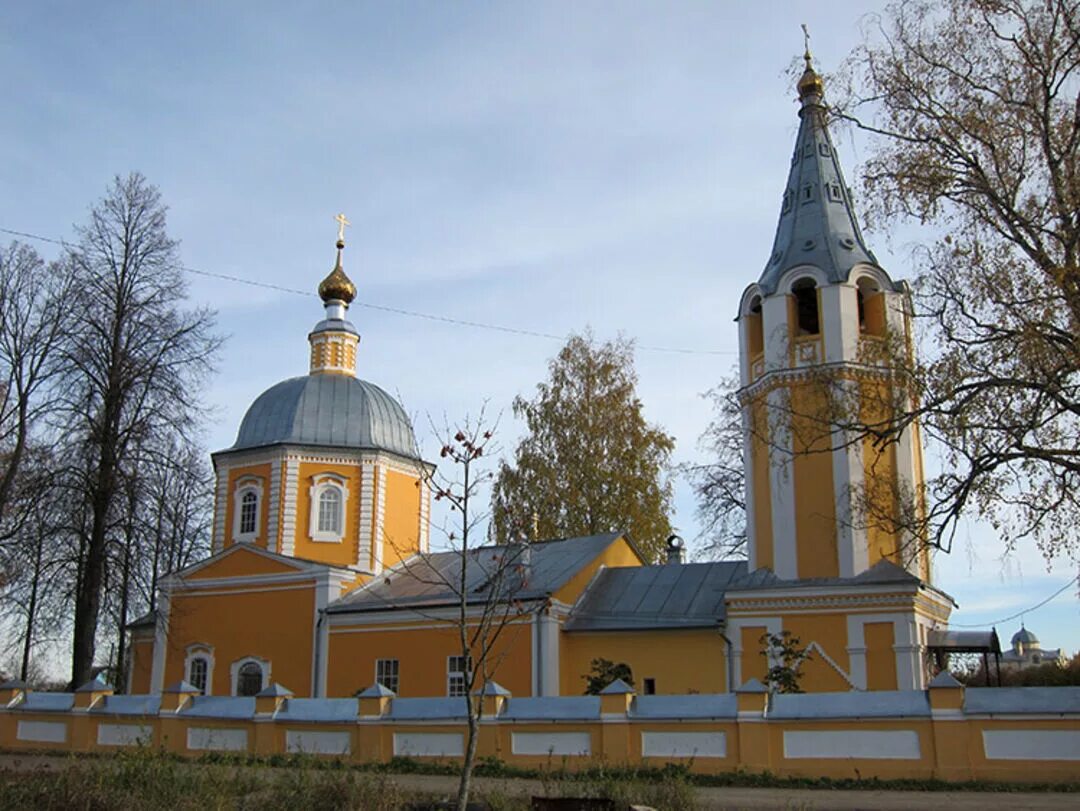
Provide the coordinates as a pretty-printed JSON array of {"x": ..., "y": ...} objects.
[
  {"x": 807, "y": 321},
  {"x": 755, "y": 332},
  {"x": 871, "y": 307}
]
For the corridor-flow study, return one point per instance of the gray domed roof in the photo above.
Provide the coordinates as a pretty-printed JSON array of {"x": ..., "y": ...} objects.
[
  {"x": 1025, "y": 636},
  {"x": 327, "y": 409}
]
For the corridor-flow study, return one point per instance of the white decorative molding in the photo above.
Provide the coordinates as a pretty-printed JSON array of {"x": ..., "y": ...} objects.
[
  {"x": 1031, "y": 744},
  {"x": 161, "y": 641},
  {"x": 683, "y": 744},
  {"x": 380, "y": 516},
  {"x": 893, "y": 744},
  {"x": 42, "y": 731},
  {"x": 366, "y": 524},
  {"x": 781, "y": 487},
  {"x": 273, "y": 518},
  {"x": 311, "y": 742},
  {"x": 288, "y": 509},
  {"x": 429, "y": 744},
  {"x": 221, "y": 503},
  {"x": 424, "y": 534},
  {"x": 551, "y": 743},
  {"x": 125, "y": 734},
  {"x": 217, "y": 739}
]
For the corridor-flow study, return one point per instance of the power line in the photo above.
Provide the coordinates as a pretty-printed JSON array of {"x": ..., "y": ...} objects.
[
  {"x": 1019, "y": 613},
  {"x": 445, "y": 319}
]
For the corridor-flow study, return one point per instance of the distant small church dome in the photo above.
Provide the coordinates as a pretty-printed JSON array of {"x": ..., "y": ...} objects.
[
  {"x": 1025, "y": 637},
  {"x": 338, "y": 411}
]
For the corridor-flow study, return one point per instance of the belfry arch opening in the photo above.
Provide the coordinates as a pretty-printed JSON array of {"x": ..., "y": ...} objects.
[
  {"x": 806, "y": 316},
  {"x": 871, "y": 303},
  {"x": 755, "y": 330}
]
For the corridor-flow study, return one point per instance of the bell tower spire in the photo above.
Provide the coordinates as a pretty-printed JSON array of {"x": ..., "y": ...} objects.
[
  {"x": 334, "y": 340},
  {"x": 815, "y": 334}
]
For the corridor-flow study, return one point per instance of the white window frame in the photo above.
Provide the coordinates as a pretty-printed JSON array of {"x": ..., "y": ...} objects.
[
  {"x": 245, "y": 485},
  {"x": 319, "y": 484},
  {"x": 455, "y": 674},
  {"x": 394, "y": 676},
  {"x": 234, "y": 672},
  {"x": 199, "y": 650}
]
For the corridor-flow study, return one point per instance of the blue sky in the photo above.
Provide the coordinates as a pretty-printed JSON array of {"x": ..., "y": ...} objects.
[{"x": 545, "y": 166}]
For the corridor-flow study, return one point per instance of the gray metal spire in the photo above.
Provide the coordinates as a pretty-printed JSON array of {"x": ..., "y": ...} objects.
[{"x": 817, "y": 219}]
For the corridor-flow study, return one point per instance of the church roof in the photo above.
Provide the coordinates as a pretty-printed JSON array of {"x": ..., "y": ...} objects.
[
  {"x": 817, "y": 224},
  {"x": 423, "y": 580},
  {"x": 329, "y": 410},
  {"x": 1025, "y": 636},
  {"x": 664, "y": 596}
]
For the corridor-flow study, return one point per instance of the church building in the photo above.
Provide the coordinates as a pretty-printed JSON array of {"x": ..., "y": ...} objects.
[{"x": 322, "y": 580}]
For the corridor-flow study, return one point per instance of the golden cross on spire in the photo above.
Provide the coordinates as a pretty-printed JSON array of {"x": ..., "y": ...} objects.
[
  {"x": 806, "y": 45},
  {"x": 342, "y": 222}
]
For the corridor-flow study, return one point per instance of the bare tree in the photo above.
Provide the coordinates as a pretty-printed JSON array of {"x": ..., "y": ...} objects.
[
  {"x": 134, "y": 366},
  {"x": 973, "y": 105}
]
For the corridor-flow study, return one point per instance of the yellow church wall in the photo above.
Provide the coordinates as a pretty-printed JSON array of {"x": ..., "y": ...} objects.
[
  {"x": 401, "y": 521},
  {"x": 262, "y": 473},
  {"x": 422, "y": 649},
  {"x": 338, "y": 553},
  {"x": 829, "y": 632},
  {"x": 617, "y": 553},
  {"x": 142, "y": 660},
  {"x": 241, "y": 563},
  {"x": 681, "y": 661},
  {"x": 270, "y": 622},
  {"x": 881, "y": 481},
  {"x": 759, "y": 459},
  {"x": 815, "y": 496},
  {"x": 755, "y": 664},
  {"x": 880, "y": 657}
]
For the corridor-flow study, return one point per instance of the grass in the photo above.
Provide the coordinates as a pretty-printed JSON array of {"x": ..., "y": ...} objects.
[{"x": 152, "y": 779}]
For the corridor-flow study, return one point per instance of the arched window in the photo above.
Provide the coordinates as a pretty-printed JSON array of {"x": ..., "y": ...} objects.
[
  {"x": 248, "y": 506},
  {"x": 329, "y": 496},
  {"x": 807, "y": 321},
  {"x": 247, "y": 502},
  {"x": 330, "y": 511},
  {"x": 755, "y": 333},
  {"x": 249, "y": 679},
  {"x": 198, "y": 670}
]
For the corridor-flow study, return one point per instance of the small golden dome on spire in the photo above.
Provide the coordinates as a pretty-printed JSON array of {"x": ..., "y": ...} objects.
[
  {"x": 337, "y": 286},
  {"x": 810, "y": 83}
]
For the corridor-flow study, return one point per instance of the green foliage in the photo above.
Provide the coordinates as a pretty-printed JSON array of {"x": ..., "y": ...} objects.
[
  {"x": 590, "y": 462},
  {"x": 787, "y": 657},
  {"x": 603, "y": 673}
]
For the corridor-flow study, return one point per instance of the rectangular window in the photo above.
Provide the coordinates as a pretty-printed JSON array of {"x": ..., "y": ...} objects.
[
  {"x": 197, "y": 676},
  {"x": 457, "y": 668},
  {"x": 650, "y": 687},
  {"x": 386, "y": 673}
]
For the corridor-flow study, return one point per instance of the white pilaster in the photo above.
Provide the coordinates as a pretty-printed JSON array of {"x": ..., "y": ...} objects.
[
  {"x": 380, "y": 515},
  {"x": 273, "y": 506},
  {"x": 221, "y": 501},
  {"x": 774, "y": 315},
  {"x": 366, "y": 524},
  {"x": 547, "y": 649},
  {"x": 750, "y": 496},
  {"x": 782, "y": 485},
  {"x": 424, "y": 535},
  {"x": 161, "y": 643},
  {"x": 906, "y": 646},
  {"x": 288, "y": 509}
]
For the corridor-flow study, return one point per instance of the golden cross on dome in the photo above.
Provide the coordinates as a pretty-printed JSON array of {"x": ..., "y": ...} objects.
[
  {"x": 342, "y": 222},
  {"x": 806, "y": 44}
]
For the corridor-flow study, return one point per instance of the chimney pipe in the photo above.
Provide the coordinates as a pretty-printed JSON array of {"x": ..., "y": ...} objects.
[{"x": 675, "y": 549}]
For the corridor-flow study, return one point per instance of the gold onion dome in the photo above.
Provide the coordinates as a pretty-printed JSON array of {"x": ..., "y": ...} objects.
[
  {"x": 810, "y": 83},
  {"x": 337, "y": 286}
]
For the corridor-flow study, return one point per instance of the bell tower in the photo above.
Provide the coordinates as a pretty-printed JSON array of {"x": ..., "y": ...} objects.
[{"x": 816, "y": 334}]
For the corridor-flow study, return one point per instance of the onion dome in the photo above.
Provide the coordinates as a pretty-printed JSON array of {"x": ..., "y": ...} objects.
[
  {"x": 337, "y": 286},
  {"x": 1025, "y": 637}
]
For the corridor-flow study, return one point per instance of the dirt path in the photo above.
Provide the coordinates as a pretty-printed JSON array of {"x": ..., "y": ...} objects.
[{"x": 715, "y": 799}]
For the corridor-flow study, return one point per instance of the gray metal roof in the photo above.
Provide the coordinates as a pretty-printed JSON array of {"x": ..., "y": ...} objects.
[
  {"x": 46, "y": 702},
  {"x": 130, "y": 705},
  {"x": 1025, "y": 636},
  {"x": 817, "y": 223},
  {"x": 687, "y": 595},
  {"x": 220, "y": 707},
  {"x": 416, "y": 709},
  {"x": 717, "y": 705},
  {"x": 331, "y": 410},
  {"x": 986, "y": 700},
  {"x": 874, "y": 704},
  {"x": 884, "y": 572},
  {"x": 425, "y": 580},
  {"x": 544, "y": 708},
  {"x": 318, "y": 709}
]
